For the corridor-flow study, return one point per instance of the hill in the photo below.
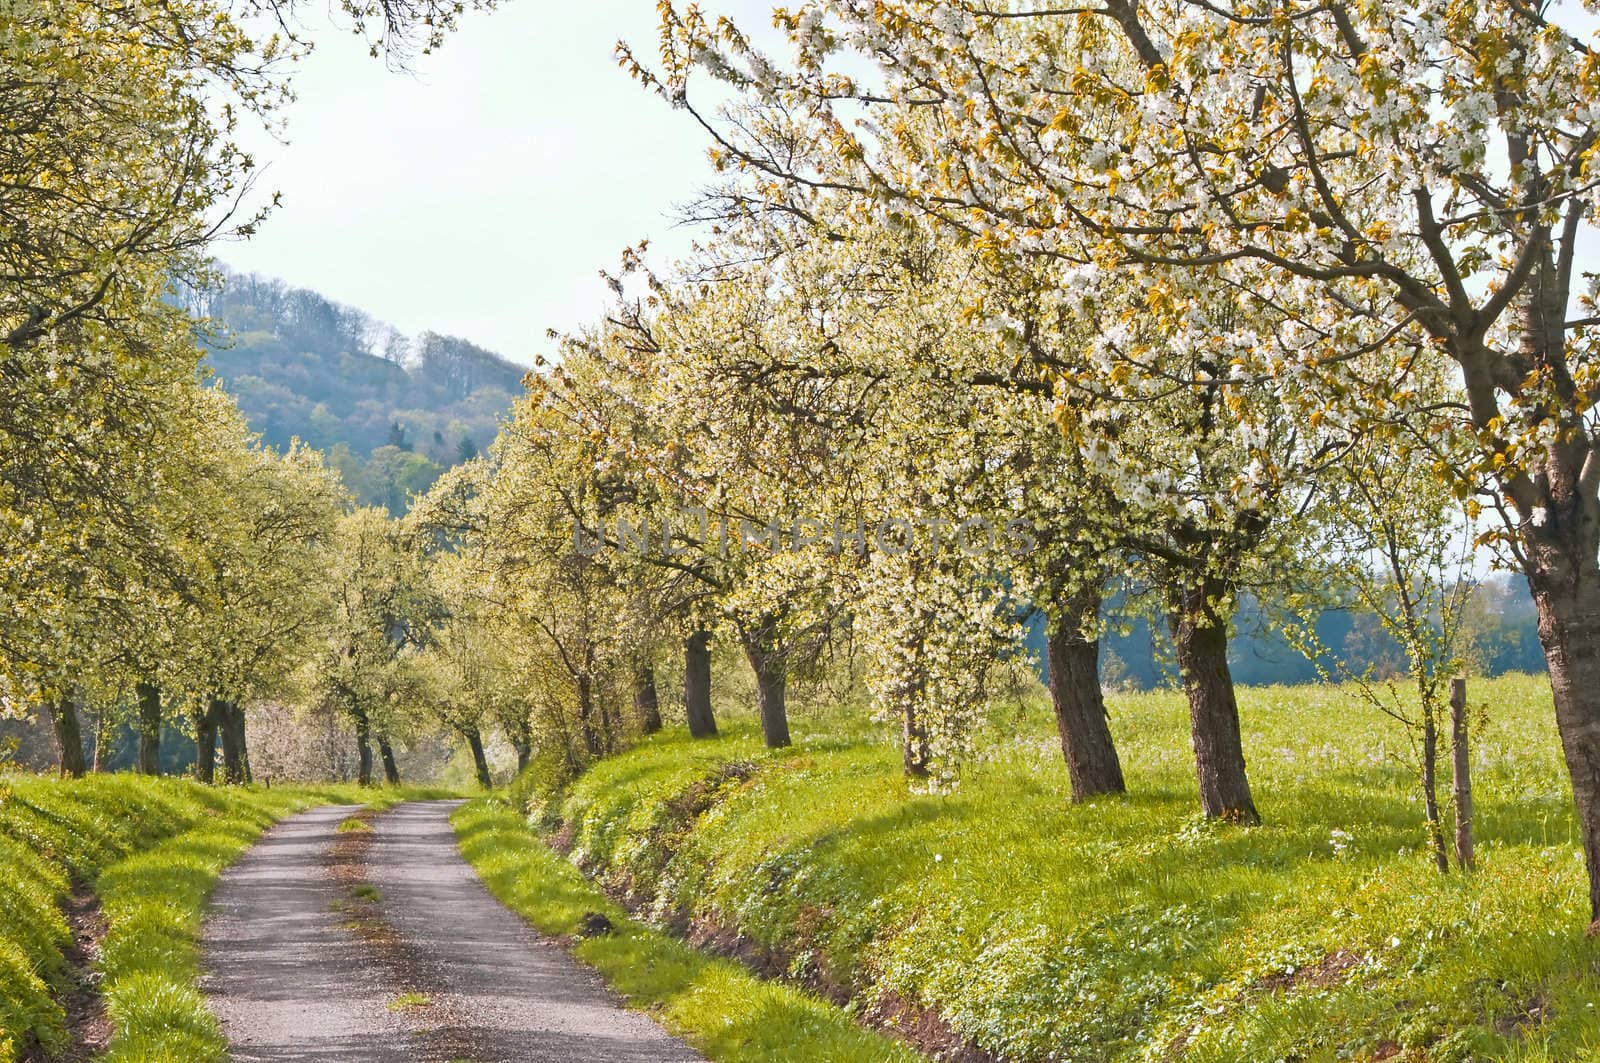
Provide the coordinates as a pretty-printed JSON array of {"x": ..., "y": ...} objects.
[{"x": 392, "y": 412}]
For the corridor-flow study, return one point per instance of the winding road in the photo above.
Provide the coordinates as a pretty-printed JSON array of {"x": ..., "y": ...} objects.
[{"x": 384, "y": 946}]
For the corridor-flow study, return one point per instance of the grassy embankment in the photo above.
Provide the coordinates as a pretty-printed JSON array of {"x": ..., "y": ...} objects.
[
  {"x": 726, "y": 1012},
  {"x": 151, "y": 851},
  {"x": 1126, "y": 929}
]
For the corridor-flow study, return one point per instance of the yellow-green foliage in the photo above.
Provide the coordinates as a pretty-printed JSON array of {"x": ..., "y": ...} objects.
[
  {"x": 722, "y": 1009},
  {"x": 1131, "y": 929},
  {"x": 152, "y": 850}
]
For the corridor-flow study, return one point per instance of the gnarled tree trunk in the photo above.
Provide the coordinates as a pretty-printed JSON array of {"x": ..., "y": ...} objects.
[
  {"x": 391, "y": 770},
  {"x": 205, "y": 741},
  {"x": 363, "y": 744},
  {"x": 1073, "y": 661},
  {"x": 480, "y": 761},
  {"x": 697, "y": 685},
  {"x": 235, "y": 762},
  {"x": 149, "y": 695},
  {"x": 646, "y": 702},
  {"x": 772, "y": 681},
  {"x": 69, "y": 737},
  {"x": 916, "y": 745},
  {"x": 1200, "y": 638},
  {"x": 916, "y": 751},
  {"x": 1568, "y": 602},
  {"x": 1560, "y": 507}
]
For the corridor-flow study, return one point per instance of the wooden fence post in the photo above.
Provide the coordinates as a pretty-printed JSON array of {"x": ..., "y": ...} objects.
[{"x": 1462, "y": 764}]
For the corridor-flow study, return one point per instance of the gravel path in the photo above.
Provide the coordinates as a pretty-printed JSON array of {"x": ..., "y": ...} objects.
[
  {"x": 292, "y": 978},
  {"x": 286, "y": 978}
]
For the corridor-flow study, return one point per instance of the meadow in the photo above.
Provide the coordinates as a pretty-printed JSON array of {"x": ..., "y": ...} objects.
[{"x": 1003, "y": 922}]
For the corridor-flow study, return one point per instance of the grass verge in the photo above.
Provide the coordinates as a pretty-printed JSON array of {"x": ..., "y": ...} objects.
[{"x": 719, "y": 1007}]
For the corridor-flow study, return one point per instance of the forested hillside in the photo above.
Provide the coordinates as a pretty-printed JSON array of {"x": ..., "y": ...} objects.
[{"x": 390, "y": 411}]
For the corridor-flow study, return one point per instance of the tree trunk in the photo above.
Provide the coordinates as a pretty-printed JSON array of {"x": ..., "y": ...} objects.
[
  {"x": 205, "y": 741},
  {"x": 480, "y": 761},
  {"x": 236, "y": 720},
  {"x": 646, "y": 703},
  {"x": 1074, "y": 666},
  {"x": 697, "y": 685},
  {"x": 1461, "y": 776},
  {"x": 102, "y": 738},
  {"x": 1560, "y": 544},
  {"x": 586, "y": 711},
  {"x": 608, "y": 729},
  {"x": 69, "y": 738},
  {"x": 916, "y": 752},
  {"x": 772, "y": 680},
  {"x": 1200, "y": 637},
  {"x": 391, "y": 770},
  {"x": 524, "y": 750},
  {"x": 234, "y": 758},
  {"x": 363, "y": 745},
  {"x": 916, "y": 745},
  {"x": 1569, "y": 630},
  {"x": 149, "y": 762},
  {"x": 1430, "y": 787}
]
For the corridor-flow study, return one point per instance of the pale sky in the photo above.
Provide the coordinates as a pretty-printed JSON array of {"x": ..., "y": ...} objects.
[{"x": 478, "y": 194}]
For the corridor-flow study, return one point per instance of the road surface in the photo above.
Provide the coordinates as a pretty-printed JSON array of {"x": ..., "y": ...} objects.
[{"x": 384, "y": 946}]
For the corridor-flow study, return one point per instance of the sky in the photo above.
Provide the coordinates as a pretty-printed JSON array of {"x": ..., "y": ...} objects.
[{"x": 480, "y": 193}]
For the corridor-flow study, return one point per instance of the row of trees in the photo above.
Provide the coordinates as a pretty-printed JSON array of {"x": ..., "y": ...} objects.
[
  {"x": 1205, "y": 299},
  {"x": 1231, "y": 249},
  {"x": 998, "y": 305},
  {"x": 804, "y": 446},
  {"x": 151, "y": 550}
]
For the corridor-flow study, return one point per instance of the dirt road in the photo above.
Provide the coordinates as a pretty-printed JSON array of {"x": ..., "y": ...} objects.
[{"x": 385, "y": 946}]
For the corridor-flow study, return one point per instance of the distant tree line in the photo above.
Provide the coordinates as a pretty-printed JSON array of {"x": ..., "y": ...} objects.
[{"x": 1500, "y": 635}]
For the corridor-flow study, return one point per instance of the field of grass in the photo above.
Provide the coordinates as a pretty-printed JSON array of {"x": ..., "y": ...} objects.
[
  {"x": 722, "y": 1009},
  {"x": 1126, "y": 929},
  {"x": 151, "y": 850}
]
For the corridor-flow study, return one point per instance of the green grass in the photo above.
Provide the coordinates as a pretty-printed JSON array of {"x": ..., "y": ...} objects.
[
  {"x": 1128, "y": 929},
  {"x": 410, "y": 1002},
  {"x": 152, "y": 850},
  {"x": 722, "y": 1009},
  {"x": 366, "y": 892}
]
